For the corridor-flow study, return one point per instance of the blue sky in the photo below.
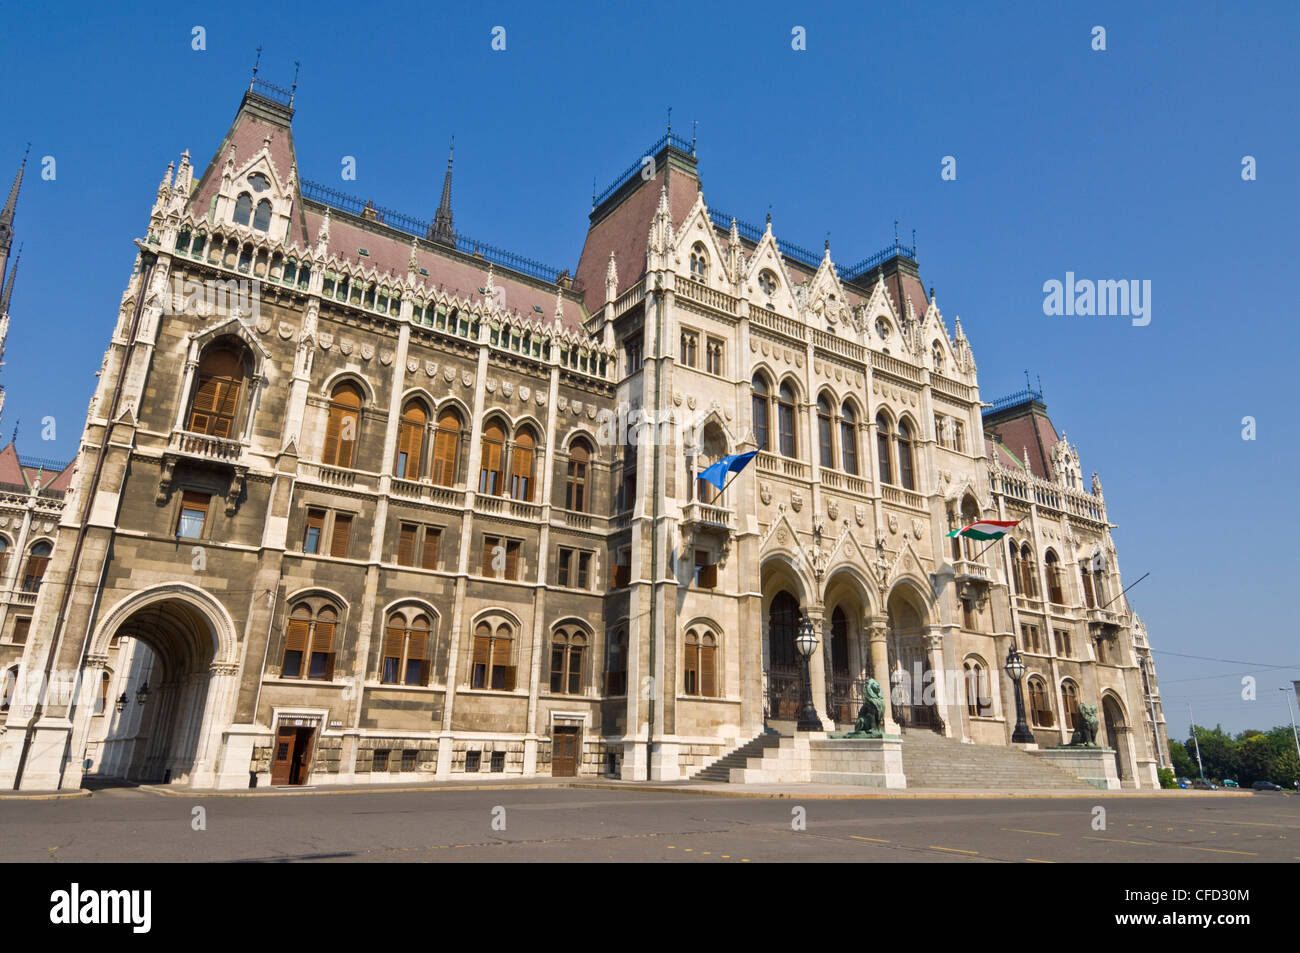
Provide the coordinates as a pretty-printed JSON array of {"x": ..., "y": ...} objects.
[{"x": 1117, "y": 164}]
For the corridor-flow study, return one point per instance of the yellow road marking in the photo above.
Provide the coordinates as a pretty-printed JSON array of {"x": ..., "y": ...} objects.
[
  {"x": 878, "y": 840},
  {"x": 1215, "y": 850},
  {"x": 954, "y": 850},
  {"x": 1115, "y": 840},
  {"x": 1021, "y": 830},
  {"x": 726, "y": 857},
  {"x": 1035, "y": 860},
  {"x": 744, "y": 860},
  {"x": 671, "y": 847},
  {"x": 688, "y": 849}
]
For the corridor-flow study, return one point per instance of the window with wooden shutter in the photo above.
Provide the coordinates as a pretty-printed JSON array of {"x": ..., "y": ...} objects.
[
  {"x": 394, "y": 638},
  {"x": 193, "y": 514},
  {"x": 482, "y": 655},
  {"x": 502, "y": 670},
  {"x": 512, "y": 559},
  {"x": 295, "y": 642},
  {"x": 339, "y": 538},
  {"x": 558, "y": 647},
  {"x": 1089, "y": 597},
  {"x": 616, "y": 664},
  {"x": 429, "y": 555},
  {"x": 216, "y": 396},
  {"x": 584, "y": 570},
  {"x": 491, "y": 479},
  {"x": 322, "y": 645},
  {"x": 706, "y": 573},
  {"x": 562, "y": 566},
  {"x": 406, "y": 544},
  {"x": 38, "y": 560},
  {"x": 576, "y": 646},
  {"x": 708, "y": 666},
  {"x": 759, "y": 412},
  {"x": 691, "y": 670},
  {"x": 883, "y": 433},
  {"x": 342, "y": 426},
  {"x": 490, "y": 546},
  {"x": 410, "y": 442},
  {"x": 445, "y": 447},
  {"x": 521, "y": 467},
  {"x": 21, "y": 629},
  {"x": 315, "y": 529},
  {"x": 417, "y": 652},
  {"x": 906, "y": 473},
  {"x": 575, "y": 487}
]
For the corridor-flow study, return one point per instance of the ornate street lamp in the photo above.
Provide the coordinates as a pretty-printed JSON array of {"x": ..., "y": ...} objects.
[
  {"x": 142, "y": 693},
  {"x": 1015, "y": 667},
  {"x": 806, "y": 643},
  {"x": 121, "y": 703}
]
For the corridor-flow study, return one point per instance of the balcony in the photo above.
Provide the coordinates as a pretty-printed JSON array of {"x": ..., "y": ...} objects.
[
  {"x": 782, "y": 466},
  {"x": 205, "y": 446},
  {"x": 425, "y": 492},
  {"x": 1104, "y": 617},
  {"x": 836, "y": 480},
  {"x": 967, "y": 570},
  {"x": 894, "y": 494},
  {"x": 706, "y": 516},
  {"x": 328, "y": 476}
]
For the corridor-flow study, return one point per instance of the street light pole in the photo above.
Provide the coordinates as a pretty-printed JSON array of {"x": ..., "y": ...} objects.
[
  {"x": 1015, "y": 667},
  {"x": 1192, "y": 719},
  {"x": 1291, "y": 711},
  {"x": 806, "y": 644}
]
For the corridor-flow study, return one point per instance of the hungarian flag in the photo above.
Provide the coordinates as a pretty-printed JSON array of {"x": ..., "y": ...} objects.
[{"x": 986, "y": 529}]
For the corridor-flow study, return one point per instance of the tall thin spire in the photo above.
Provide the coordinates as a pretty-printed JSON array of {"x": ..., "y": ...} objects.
[
  {"x": 441, "y": 231},
  {"x": 7, "y": 214},
  {"x": 8, "y": 293}
]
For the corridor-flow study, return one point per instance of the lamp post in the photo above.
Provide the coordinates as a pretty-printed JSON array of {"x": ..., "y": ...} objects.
[
  {"x": 1290, "y": 711},
  {"x": 121, "y": 703},
  {"x": 142, "y": 693},
  {"x": 806, "y": 643},
  {"x": 1015, "y": 667}
]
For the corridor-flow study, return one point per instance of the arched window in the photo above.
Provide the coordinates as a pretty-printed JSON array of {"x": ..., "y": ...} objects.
[
  {"x": 575, "y": 483},
  {"x": 521, "y": 466},
  {"x": 491, "y": 475},
  {"x": 243, "y": 209},
  {"x": 342, "y": 426},
  {"x": 1028, "y": 572},
  {"x": 849, "y": 438},
  {"x": 566, "y": 662},
  {"x": 410, "y": 442},
  {"x": 4, "y": 558},
  {"x": 1089, "y": 596},
  {"x": 767, "y": 282},
  {"x": 262, "y": 218},
  {"x": 221, "y": 375},
  {"x": 700, "y": 671},
  {"x": 979, "y": 698},
  {"x": 1040, "y": 709},
  {"x": 825, "y": 426},
  {"x": 491, "y": 666},
  {"x": 785, "y": 420},
  {"x": 406, "y": 649},
  {"x": 906, "y": 472},
  {"x": 310, "y": 636},
  {"x": 936, "y": 352},
  {"x": 1055, "y": 583},
  {"x": 1070, "y": 703},
  {"x": 616, "y": 663},
  {"x": 699, "y": 263},
  {"x": 762, "y": 428},
  {"x": 446, "y": 448},
  {"x": 839, "y": 643},
  {"x": 38, "y": 560},
  {"x": 782, "y": 626},
  {"x": 883, "y": 433}
]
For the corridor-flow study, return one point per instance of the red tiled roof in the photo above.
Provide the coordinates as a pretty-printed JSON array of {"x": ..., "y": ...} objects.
[
  {"x": 18, "y": 474},
  {"x": 1030, "y": 432}
]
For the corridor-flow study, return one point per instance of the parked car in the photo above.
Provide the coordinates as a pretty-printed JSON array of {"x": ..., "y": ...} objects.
[
  {"x": 1266, "y": 786},
  {"x": 1229, "y": 783},
  {"x": 1205, "y": 785},
  {"x": 1184, "y": 783}
]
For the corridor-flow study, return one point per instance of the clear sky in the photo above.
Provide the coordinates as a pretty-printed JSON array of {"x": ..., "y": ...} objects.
[{"x": 1117, "y": 164}]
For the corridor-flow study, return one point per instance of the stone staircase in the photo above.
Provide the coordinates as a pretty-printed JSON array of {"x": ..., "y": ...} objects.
[
  {"x": 932, "y": 761},
  {"x": 720, "y": 770}
]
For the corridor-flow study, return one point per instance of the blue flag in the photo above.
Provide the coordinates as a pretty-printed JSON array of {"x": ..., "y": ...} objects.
[{"x": 717, "y": 474}]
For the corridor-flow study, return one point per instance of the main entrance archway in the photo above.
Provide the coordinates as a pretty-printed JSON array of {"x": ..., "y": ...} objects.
[
  {"x": 913, "y": 692},
  {"x": 170, "y": 654},
  {"x": 1117, "y": 736}
]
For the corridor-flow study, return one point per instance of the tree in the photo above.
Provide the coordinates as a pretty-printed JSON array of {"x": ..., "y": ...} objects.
[{"x": 1183, "y": 765}]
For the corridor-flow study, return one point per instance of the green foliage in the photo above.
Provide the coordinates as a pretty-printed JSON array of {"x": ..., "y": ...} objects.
[
  {"x": 1249, "y": 757},
  {"x": 1184, "y": 766},
  {"x": 1166, "y": 778}
]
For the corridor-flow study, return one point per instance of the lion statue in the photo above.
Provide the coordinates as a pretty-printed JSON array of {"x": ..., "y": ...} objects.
[
  {"x": 1085, "y": 728},
  {"x": 871, "y": 716}
]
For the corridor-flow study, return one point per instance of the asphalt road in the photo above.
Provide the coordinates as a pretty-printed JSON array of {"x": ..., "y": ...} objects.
[{"x": 564, "y": 824}]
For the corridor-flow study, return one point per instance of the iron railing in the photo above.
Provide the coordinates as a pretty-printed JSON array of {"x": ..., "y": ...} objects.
[
  {"x": 896, "y": 250},
  {"x": 668, "y": 139},
  {"x": 1020, "y": 397}
]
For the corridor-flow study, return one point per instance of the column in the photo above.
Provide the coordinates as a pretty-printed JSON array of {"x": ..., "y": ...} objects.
[
  {"x": 877, "y": 630},
  {"x": 934, "y": 654}
]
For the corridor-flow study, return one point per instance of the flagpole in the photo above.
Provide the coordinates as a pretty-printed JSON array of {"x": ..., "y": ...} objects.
[{"x": 1144, "y": 575}]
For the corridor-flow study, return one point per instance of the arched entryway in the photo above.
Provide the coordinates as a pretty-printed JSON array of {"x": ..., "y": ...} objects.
[
  {"x": 914, "y": 691},
  {"x": 1117, "y": 736},
  {"x": 784, "y": 674},
  {"x": 168, "y": 654},
  {"x": 847, "y": 645}
]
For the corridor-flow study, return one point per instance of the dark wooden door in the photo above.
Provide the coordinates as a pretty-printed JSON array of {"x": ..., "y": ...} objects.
[
  {"x": 564, "y": 753},
  {"x": 282, "y": 756},
  {"x": 302, "y": 755}
]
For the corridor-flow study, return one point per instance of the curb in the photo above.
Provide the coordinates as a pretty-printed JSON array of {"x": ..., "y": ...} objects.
[{"x": 46, "y": 795}]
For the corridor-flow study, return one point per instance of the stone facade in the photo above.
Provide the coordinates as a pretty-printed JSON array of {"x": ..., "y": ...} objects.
[{"x": 404, "y": 506}]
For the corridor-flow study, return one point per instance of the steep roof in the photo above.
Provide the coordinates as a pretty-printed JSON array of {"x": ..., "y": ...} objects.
[
  {"x": 26, "y": 472},
  {"x": 1022, "y": 426}
]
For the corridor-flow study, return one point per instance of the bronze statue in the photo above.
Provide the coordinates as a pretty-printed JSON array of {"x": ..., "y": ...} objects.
[
  {"x": 871, "y": 716},
  {"x": 1085, "y": 727}
]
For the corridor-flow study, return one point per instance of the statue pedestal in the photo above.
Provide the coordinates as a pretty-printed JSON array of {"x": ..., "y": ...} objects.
[
  {"x": 868, "y": 762},
  {"x": 1096, "y": 766}
]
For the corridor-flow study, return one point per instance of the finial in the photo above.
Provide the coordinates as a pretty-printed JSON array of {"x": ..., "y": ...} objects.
[
  {"x": 895, "y": 231},
  {"x": 670, "y": 120},
  {"x": 256, "y": 63},
  {"x": 694, "y": 125},
  {"x": 294, "y": 88}
]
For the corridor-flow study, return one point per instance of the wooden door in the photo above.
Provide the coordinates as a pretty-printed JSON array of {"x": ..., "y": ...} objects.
[
  {"x": 302, "y": 755},
  {"x": 282, "y": 756},
  {"x": 564, "y": 753}
]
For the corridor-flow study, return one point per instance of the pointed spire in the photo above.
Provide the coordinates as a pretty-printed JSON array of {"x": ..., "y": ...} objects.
[
  {"x": 441, "y": 231},
  {"x": 611, "y": 279},
  {"x": 9, "y": 289},
  {"x": 323, "y": 233},
  {"x": 7, "y": 214}
]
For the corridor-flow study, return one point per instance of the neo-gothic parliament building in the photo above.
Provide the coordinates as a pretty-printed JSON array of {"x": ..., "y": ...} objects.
[{"x": 362, "y": 500}]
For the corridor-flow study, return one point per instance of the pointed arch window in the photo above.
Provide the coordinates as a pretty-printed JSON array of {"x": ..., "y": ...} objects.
[
  {"x": 446, "y": 448},
  {"x": 1089, "y": 596},
  {"x": 883, "y": 433},
  {"x": 906, "y": 468},
  {"x": 491, "y": 476},
  {"x": 491, "y": 666},
  {"x": 1055, "y": 581},
  {"x": 979, "y": 699},
  {"x": 521, "y": 466},
  {"x": 785, "y": 420},
  {"x": 767, "y": 283},
  {"x": 1040, "y": 708},
  {"x": 567, "y": 649},
  {"x": 341, "y": 426},
  {"x": 38, "y": 560},
  {"x": 575, "y": 484},
  {"x": 936, "y": 352},
  {"x": 222, "y": 374},
  {"x": 849, "y": 439},
  {"x": 762, "y": 428},
  {"x": 825, "y": 431},
  {"x": 243, "y": 209},
  {"x": 406, "y": 649},
  {"x": 1070, "y": 704},
  {"x": 699, "y": 263},
  {"x": 700, "y": 671},
  {"x": 410, "y": 442},
  {"x": 309, "y": 636},
  {"x": 262, "y": 217}
]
